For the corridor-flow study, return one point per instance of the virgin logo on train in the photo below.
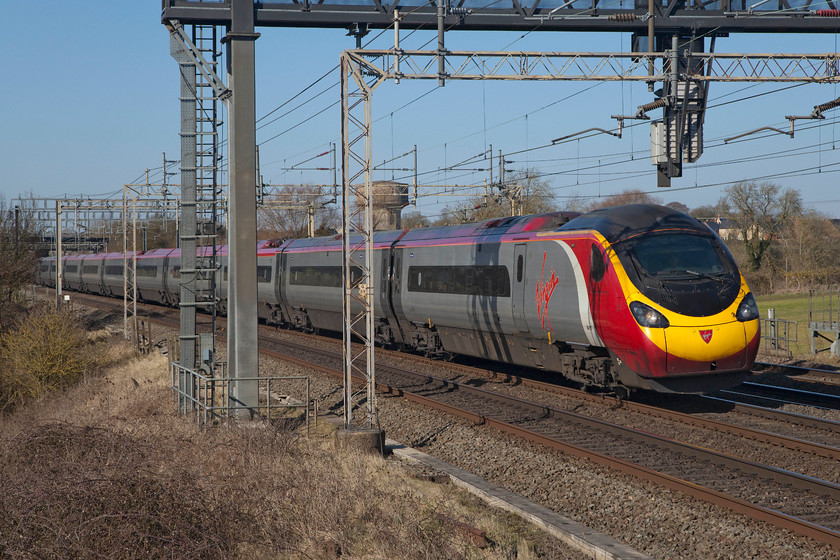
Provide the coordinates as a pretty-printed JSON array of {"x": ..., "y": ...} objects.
[
  {"x": 543, "y": 295},
  {"x": 706, "y": 336}
]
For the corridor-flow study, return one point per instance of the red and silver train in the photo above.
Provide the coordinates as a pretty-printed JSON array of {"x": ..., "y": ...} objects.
[{"x": 624, "y": 298}]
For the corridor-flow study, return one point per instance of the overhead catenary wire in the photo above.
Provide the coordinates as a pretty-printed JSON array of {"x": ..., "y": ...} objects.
[{"x": 527, "y": 150}]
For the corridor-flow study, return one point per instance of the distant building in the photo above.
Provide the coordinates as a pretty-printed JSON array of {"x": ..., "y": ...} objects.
[{"x": 724, "y": 227}]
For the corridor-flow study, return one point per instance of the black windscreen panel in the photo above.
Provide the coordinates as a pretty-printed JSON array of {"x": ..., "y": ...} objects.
[{"x": 490, "y": 281}]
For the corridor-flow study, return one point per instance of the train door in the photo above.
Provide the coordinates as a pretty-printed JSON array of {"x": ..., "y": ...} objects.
[
  {"x": 396, "y": 292},
  {"x": 518, "y": 293},
  {"x": 283, "y": 285},
  {"x": 597, "y": 291}
]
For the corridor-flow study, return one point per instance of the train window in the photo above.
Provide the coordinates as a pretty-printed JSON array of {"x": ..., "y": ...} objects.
[
  {"x": 263, "y": 274},
  {"x": 490, "y": 281},
  {"x": 90, "y": 269},
  {"x": 71, "y": 268},
  {"x": 225, "y": 275},
  {"x": 597, "y": 265},
  {"x": 176, "y": 272},
  {"x": 520, "y": 265},
  {"x": 114, "y": 270},
  {"x": 45, "y": 267},
  {"x": 679, "y": 256},
  {"x": 146, "y": 271},
  {"x": 323, "y": 276}
]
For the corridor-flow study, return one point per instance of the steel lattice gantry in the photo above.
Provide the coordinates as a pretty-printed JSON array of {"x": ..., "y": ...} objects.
[
  {"x": 675, "y": 26},
  {"x": 668, "y": 17}
]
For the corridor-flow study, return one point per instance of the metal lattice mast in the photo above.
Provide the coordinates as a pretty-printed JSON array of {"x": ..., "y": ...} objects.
[
  {"x": 186, "y": 232},
  {"x": 197, "y": 55},
  {"x": 129, "y": 223},
  {"x": 206, "y": 189},
  {"x": 357, "y": 242}
]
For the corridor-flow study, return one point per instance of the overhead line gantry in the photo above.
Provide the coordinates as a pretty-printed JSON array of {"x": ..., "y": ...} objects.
[{"x": 670, "y": 35}]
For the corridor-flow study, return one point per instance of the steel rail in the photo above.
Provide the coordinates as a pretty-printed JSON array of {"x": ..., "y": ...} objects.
[{"x": 784, "y": 395}]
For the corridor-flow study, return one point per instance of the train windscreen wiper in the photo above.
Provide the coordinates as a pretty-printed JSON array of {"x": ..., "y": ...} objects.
[{"x": 716, "y": 277}]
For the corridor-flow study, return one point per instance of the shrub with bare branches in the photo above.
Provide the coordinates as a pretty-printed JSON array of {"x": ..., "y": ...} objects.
[{"x": 45, "y": 352}]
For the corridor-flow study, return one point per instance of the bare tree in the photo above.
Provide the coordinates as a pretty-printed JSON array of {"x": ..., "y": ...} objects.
[
  {"x": 414, "y": 219},
  {"x": 17, "y": 253},
  {"x": 523, "y": 193},
  {"x": 760, "y": 212},
  {"x": 630, "y": 196},
  {"x": 679, "y": 207},
  {"x": 707, "y": 211},
  {"x": 286, "y": 213},
  {"x": 810, "y": 250}
]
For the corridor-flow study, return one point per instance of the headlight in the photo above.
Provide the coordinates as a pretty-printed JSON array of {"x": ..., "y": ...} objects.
[
  {"x": 647, "y": 316},
  {"x": 748, "y": 310}
]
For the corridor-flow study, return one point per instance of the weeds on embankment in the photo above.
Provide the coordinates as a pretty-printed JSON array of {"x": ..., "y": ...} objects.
[{"x": 107, "y": 469}]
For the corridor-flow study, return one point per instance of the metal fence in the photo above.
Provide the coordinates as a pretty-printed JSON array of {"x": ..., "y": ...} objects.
[
  {"x": 777, "y": 336},
  {"x": 823, "y": 317},
  {"x": 210, "y": 398}
]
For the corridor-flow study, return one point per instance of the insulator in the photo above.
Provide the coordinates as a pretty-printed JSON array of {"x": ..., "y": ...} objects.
[
  {"x": 828, "y": 13},
  {"x": 653, "y": 105},
  {"x": 456, "y": 11},
  {"x": 622, "y": 17},
  {"x": 827, "y": 106}
]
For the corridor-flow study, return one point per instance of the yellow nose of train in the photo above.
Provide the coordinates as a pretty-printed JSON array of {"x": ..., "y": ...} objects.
[{"x": 693, "y": 345}]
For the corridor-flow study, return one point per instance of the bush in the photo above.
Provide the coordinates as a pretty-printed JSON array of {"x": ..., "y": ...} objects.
[{"x": 47, "y": 351}]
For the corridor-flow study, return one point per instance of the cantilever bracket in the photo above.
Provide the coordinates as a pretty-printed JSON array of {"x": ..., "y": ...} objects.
[
  {"x": 816, "y": 114},
  {"x": 610, "y": 132},
  {"x": 177, "y": 31},
  {"x": 788, "y": 133}
]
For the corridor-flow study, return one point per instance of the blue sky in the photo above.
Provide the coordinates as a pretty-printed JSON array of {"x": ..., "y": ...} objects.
[{"x": 90, "y": 100}]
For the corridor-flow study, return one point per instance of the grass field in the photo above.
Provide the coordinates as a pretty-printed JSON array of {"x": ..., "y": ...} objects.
[{"x": 794, "y": 307}]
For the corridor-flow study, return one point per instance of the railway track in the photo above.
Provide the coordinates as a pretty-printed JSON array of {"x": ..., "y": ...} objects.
[
  {"x": 799, "y": 373},
  {"x": 774, "y": 395},
  {"x": 789, "y": 500},
  {"x": 803, "y": 504}
]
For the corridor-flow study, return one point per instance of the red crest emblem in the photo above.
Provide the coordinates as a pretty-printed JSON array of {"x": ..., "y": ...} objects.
[{"x": 706, "y": 335}]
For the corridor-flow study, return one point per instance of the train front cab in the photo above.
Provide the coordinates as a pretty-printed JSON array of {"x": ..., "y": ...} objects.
[{"x": 675, "y": 311}]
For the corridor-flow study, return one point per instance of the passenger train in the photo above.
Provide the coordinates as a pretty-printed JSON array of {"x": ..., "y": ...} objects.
[{"x": 624, "y": 298}]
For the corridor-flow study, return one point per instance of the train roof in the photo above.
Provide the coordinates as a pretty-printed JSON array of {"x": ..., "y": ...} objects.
[
  {"x": 493, "y": 227},
  {"x": 622, "y": 222},
  {"x": 151, "y": 253},
  {"x": 380, "y": 239}
]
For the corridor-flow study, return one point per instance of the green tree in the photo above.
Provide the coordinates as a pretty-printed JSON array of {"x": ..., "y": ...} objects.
[{"x": 760, "y": 212}]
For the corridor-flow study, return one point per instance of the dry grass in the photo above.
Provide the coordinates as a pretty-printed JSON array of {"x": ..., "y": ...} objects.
[{"x": 106, "y": 469}]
